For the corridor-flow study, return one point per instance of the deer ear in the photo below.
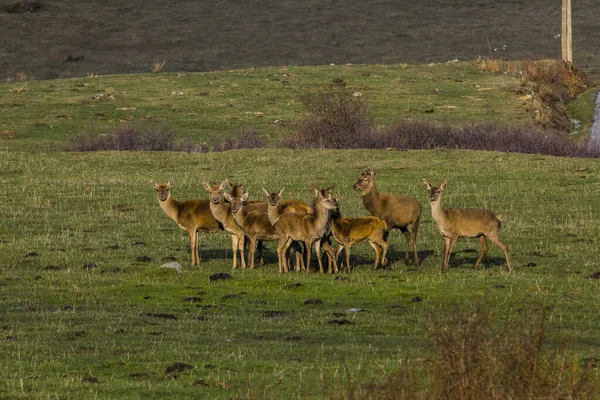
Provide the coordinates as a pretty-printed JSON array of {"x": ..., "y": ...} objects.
[
  {"x": 228, "y": 197},
  {"x": 426, "y": 182},
  {"x": 373, "y": 173},
  {"x": 280, "y": 192},
  {"x": 205, "y": 184},
  {"x": 245, "y": 196},
  {"x": 317, "y": 191},
  {"x": 443, "y": 185},
  {"x": 266, "y": 192},
  {"x": 154, "y": 184},
  {"x": 170, "y": 183},
  {"x": 223, "y": 184}
]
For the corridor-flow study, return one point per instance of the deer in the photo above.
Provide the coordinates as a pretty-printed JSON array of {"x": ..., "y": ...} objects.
[
  {"x": 192, "y": 216},
  {"x": 276, "y": 207},
  {"x": 454, "y": 223},
  {"x": 349, "y": 231},
  {"x": 255, "y": 223},
  {"x": 398, "y": 212},
  {"x": 308, "y": 229},
  {"x": 221, "y": 210}
]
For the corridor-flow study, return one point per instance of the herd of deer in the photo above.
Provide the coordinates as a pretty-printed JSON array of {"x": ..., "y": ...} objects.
[{"x": 292, "y": 222}]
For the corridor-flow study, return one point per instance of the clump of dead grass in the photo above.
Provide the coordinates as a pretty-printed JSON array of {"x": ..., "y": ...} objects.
[{"x": 479, "y": 356}]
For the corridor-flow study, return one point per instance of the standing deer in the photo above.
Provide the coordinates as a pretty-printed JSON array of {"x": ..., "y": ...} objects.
[
  {"x": 191, "y": 215},
  {"x": 221, "y": 210},
  {"x": 396, "y": 211},
  {"x": 349, "y": 231},
  {"x": 308, "y": 229},
  {"x": 255, "y": 223},
  {"x": 464, "y": 222},
  {"x": 276, "y": 207}
]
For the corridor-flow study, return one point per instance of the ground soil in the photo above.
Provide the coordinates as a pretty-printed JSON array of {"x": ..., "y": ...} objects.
[{"x": 66, "y": 38}]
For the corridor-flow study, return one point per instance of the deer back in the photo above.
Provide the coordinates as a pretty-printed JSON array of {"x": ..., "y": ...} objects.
[
  {"x": 197, "y": 213},
  {"x": 469, "y": 222},
  {"x": 396, "y": 211}
]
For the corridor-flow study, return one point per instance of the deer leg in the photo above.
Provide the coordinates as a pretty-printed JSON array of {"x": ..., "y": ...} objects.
[
  {"x": 234, "y": 248},
  {"x": 280, "y": 253},
  {"x": 193, "y": 246},
  {"x": 308, "y": 246},
  {"x": 496, "y": 240},
  {"x": 415, "y": 229},
  {"x": 338, "y": 252},
  {"x": 319, "y": 257},
  {"x": 446, "y": 254},
  {"x": 261, "y": 259},
  {"x": 450, "y": 242},
  {"x": 484, "y": 250},
  {"x": 252, "y": 251},
  {"x": 347, "y": 253},
  {"x": 406, "y": 234},
  {"x": 377, "y": 254},
  {"x": 384, "y": 246},
  {"x": 242, "y": 247}
]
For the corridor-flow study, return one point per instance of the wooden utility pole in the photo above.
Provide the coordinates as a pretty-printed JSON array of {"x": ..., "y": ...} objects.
[{"x": 567, "y": 34}]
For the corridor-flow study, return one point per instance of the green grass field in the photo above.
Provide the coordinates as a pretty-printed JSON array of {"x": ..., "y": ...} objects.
[
  {"x": 208, "y": 106},
  {"x": 125, "y": 321},
  {"x": 86, "y": 312}
]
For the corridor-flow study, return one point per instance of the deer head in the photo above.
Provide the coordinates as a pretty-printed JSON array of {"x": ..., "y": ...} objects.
[
  {"x": 366, "y": 180},
  {"x": 236, "y": 202},
  {"x": 214, "y": 191},
  {"x": 273, "y": 198},
  {"x": 434, "y": 192},
  {"x": 163, "y": 190}
]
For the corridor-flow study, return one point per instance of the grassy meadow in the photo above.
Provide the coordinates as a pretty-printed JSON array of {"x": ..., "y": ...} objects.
[
  {"x": 87, "y": 312},
  {"x": 208, "y": 106},
  {"x": 84, "y": 298}
]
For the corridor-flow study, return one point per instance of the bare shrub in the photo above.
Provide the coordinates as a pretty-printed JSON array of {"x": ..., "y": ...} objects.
[
  {"x": 158, "y": 65},
  {"x": 247, "y": 140},
  {"x": 126, "y": 138},
  {"x": 478, "y": 356},
  {"x": 335, "y": 121}
]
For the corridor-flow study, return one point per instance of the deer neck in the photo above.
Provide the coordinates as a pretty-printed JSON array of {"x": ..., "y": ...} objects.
[
  {"x": 321, "y": 216},
  {"x": 370, "y": 198},
  {"x": 170, "y": 207},
  {"x": 438, "y": 213},
  {"x": 240, "y": 217},
  {"x": 220, "y": 210},
  {"x": 273, "y": 213}
]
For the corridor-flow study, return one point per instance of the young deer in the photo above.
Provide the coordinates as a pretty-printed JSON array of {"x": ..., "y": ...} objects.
[
  {"x": 464, "y": 222},
  {"x": 191, "y": 215},
  {"x": 255, "y": 223},
  {"x": 221, "y": 210},
  {"x": 276, "y": 207},
  {"x": 396, "y": 211},
  {"x": 349, "y": 231},
  {"x": 307, "y": 229}
]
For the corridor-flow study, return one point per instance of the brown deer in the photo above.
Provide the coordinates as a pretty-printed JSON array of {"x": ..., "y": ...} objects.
[
  {"x": 464, "y": 222},
  {"x": 349, "y": 231},
  {"x": 307, "y": 229},
  {"x": 255, "y": 223},
  {"x": 396, "y": 211},
  {"x": 191, "y": 215},
  {"x": 276, "y": 207},
  {"x": 221, "y": 210}
]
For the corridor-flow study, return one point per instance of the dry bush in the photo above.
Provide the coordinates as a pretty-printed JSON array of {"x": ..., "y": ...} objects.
[
  {"x": 336, "y": 120},
  {"x": 477, "y": 356},
  {"x": 247, "y": 140},
  {"x": 158, "y": 65},
  {"x": 126, "y": 138},
  {"x": 553, "y": 83}
]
